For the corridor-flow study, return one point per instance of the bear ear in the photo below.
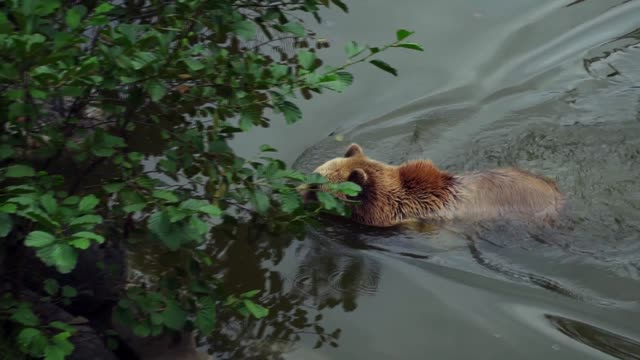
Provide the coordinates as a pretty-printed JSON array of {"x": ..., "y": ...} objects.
[
  {"x": 353, "y": 150},
  {"x": 358, "y": 176}
]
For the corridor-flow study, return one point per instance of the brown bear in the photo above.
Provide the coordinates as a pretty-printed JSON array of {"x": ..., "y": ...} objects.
[{"x": 417, "y": 190}]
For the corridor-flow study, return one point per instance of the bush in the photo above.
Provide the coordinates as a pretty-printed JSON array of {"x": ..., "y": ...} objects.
[{"x": 116, "y": 121}]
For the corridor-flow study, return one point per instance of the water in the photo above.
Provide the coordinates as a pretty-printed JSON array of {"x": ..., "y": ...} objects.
[{"x": 549, "y": 86}]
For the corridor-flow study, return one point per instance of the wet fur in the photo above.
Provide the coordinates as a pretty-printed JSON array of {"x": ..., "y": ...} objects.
[{"x": 418, "y": 190}]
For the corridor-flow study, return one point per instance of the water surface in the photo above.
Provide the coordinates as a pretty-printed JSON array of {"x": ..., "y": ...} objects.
[{"x": 548, "y": 86}]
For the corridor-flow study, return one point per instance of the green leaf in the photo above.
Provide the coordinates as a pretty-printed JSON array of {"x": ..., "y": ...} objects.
[
  {"x": 403, "y": 34},
  {"x": 112, "y": 141},
  {"x": 175, "y": 214},
  {"x": 159, "y": 224},
  {"x": 51, "y": 286},
  {"x": 156, "y": 319},
  {"x": 69, "y": 292},
  {"x": 193, "y": 204},
  {"x": 173, "y": 316},
  {"x": 47, "y": 7},
  {"x": 103, "y": 8},
  {"x": 39, "y": 239},
  {"x": 24, "y": 315},
  {"x": 27, "y": 336},
  {"x": 21, "y": 189},
  {"x": 53, "y": 353},
  {"x": 260, "y": 201},
  {"x": 166, "y": 195},
  {"x": 38, "y": 94},
  {"x": 6, "y": 224},
  {"x": 60, "y": 255},
  {"x": 290, "y": 111},
  {"x": 245, "y": 29},
  {"x": 289, "y": 174},
  {"x": 130, "y": 31},
  {"x": 249, "y": 117},
  {"x": 244, "y": 311},
  {"x": 71, "y": 200},
  {"x": 61, "y": 342},
  {"x": 336, "y": 86},
  {"x": 306, "y": 59},
  {"x": 113, "y": 188},
  {"x": 73, "y": 17},
  {"x": 267, "y": 148},
  {"x": 86, "y": 219},
  {"x": 89, "y": 235},
  {"x": 328, "y": 201},
  {"x": 49, "y": 203},
  {"x": 206, "y": 316},
  {"x": 18, "y": 171},
  {"x": 345, "y": 77},
  {"x": 349, "y": 188},
  {"x": 6, "y": 150},
  {"x": 44, "y": 70},
  {"x": 278, "y": 70},
  {"x": 256, "y": 310},
  {"x": 315, "y": 178},
  {"x": 134, "y": 207},
  {"x": 412, "y": 46},
  {"x": 172, "y": 235},
  {"x": 245, "y": 123},
  {"x": 294, "y": 28},
  {"x": 250, "y": 294},
  {"x": 290, "y": 202},
  {"x": 142, "y": 59},
  {"x": 193, "y": 64},
  {"x": 22, "y": 200},
  {"x": 80, "y": 243},
  {"x": 5, "y": 24},
  {"x": 341, "y": 5},
  {"x": 105, "y": 143},
  {"x": 353, "y": 49},
  {"x": 141, "y": 330},
  {"x": 135, "y": 157},
  {"x": 210, "y": 210},
  {"x": 88, "y": 203},
  {"x": 156, "y": 90},
  {"x": 337, "y": 81},
  {"x": 384, "y": 66},
  {"x": 34, "y": 39},
  {"x": 197, "y": 227},
  {"x": 8, "y": 208}
]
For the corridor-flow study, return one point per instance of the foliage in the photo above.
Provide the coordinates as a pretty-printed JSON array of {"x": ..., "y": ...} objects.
[
  {"x": 34, "y": 338},
  {"x": 117, "y": 117}
]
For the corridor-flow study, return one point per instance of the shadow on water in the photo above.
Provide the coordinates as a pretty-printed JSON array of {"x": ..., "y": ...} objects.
[
  {"x": 246, "y": 257},
  {"x": 479, "y": 241},
  {"x": 606, "y": 341},
  {"x": 329, "y": 276}
]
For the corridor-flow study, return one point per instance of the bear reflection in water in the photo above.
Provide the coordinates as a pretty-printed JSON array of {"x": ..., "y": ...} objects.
[{"x": 418, "y": 190}]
